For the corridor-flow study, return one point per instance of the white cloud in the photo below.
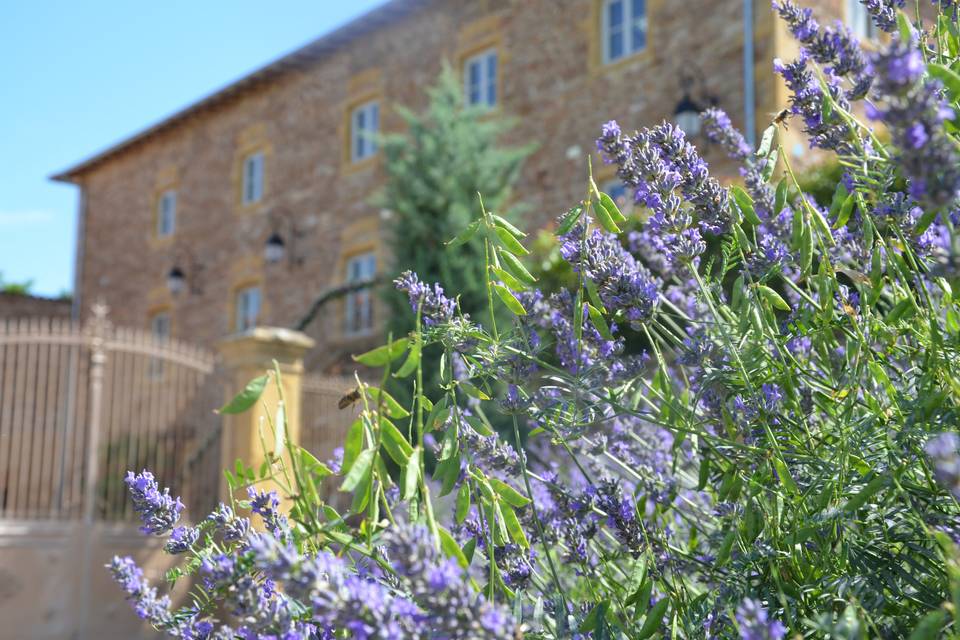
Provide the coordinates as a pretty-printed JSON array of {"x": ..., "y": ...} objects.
[{"x": 25, "y": 218}]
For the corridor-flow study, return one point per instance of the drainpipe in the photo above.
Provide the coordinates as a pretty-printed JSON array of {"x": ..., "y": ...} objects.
[
  {"x": 76, "y": 305},
  {"x": 749, "y": 87}
]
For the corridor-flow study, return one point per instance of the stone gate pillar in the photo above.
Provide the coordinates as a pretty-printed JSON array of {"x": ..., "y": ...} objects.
[{"x": 246, "y": 356}]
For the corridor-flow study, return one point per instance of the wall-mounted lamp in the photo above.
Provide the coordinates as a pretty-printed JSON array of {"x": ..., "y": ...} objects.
[
  {"x": 686, "y": 115},
  {"x": 282, "y": 241},
  {"x": 180, "y": 279}
]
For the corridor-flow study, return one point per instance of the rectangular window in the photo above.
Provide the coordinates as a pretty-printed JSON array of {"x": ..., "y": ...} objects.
[
  {"x": 253, "y": 178},
  {"x": 480, "y": 79},
  {"x": 247, "y": 309},
  {"x": 360, "y": 303},
  {"x": 166, "y": 213},
  {"x": 624, "y": 28},
  {"x": 364, "y": 127},
  {"x": 859, "y": 20}
]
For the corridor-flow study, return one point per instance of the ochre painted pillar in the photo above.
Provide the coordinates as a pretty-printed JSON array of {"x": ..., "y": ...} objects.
[{"x": 246, "y": 356}]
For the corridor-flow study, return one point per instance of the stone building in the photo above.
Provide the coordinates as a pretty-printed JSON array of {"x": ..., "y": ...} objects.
[{"x": 175, "y": 221}]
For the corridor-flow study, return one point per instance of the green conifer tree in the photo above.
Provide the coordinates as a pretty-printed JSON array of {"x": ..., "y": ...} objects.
[{"x": 449, "y": 154}]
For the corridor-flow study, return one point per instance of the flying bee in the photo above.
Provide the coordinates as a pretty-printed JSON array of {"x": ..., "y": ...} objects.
[
  {"x": 781, "y": 118},
  {"x": 349, "y": 399}
]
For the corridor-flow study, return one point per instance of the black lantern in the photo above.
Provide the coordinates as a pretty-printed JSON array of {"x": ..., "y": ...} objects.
[
  {"x": 176, "y": 280},
  {"x": 275, "y": 248},
  {"x": 687, "y": 116}
]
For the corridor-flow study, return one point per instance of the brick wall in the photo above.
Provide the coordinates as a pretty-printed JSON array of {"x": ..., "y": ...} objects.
[{"x": 552, "y": 83}]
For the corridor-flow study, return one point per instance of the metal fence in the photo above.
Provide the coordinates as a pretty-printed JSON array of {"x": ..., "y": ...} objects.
[
  {"x": 324, "y": 423},
  {"x": 80, "y": 405}
]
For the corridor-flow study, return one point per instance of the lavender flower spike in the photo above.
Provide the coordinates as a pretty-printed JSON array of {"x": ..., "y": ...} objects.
[
  {"x": 437, "y": 308},
  {"x": 158, "y": 511},
  {"x": 754, "y": 623}
]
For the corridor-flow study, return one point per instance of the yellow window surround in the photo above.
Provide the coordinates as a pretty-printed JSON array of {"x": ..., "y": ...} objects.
[
  {"x": 251, "y": 140},
  {"x": 167, "y": 179},
  {"x": 362, "y": 88},
  {"x": 595, "y": 31}
]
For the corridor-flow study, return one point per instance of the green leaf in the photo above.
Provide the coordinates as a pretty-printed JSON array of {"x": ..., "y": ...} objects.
[
  {"x": 766, "y": 141},
  {"x": 599, "y": 322},
  {"x": 904, "y": 27},
  {"x": 410, "y": 364},
  {"x": 784, "y": 474},
  {"x": 510, "y": 243},
  {"x": 844, "y": 213},
  {"x": 391, "y": 407},
  {"x": 382, "y": 356},
  {"x": 472, "y": 391},
  {"x": 246, "y": 398},
  {"x": 593, "y": 618},
  {"x": 507, "y": 278},
  {"x": 466, "y": 235},
  {"x": 508, "y": 494},
  {"x": 411, "y": 474},
  {"x": 865, "y": 494},
  {"x": 745, "y": 202},
  {"x": 360, "y": 470},
  {"x": 516, "y": 268},
  {"x": 352, "y": 445},
  {"x": 929, "y": 626},
  {"x": 394, "y": 442},
  {"x": 463, "y": 502},
  {"x": 780, "y": 200},
  {"x": 451, "y": 548},
  {"x": 513, "y": 526},
  {"x": 569, "y": 219},
  {"x": 506, "y": 224},
  {"x": 773, "y": 298},
  {"x": 611, "y": 207},
  {"x": 604, "y": 218},
  {"x": 509, "y": 300},
  {"x": 312, "y": 465},
  {"x": 654, "y": 619}
]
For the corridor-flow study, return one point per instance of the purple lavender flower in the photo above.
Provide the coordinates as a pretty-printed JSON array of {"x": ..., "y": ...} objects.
[
  {"x": 266, "y": 504},
  {"x": 753, "y": 622},
  {"x": 182, "y": 540},
  {"x": 232, "y": 528},
  {"x": 825, "y": 131},
  {"x": 665, "y": 172},
  {"x": 914, "y": 110},
  {"x": 884, "y": 13},
  {"x": 835, "y": 47},
  {"x": 622, "y": 283},
  {"x": 944, "y": 450},
  {"x": 158, "y": 511},
  {"x": 142, "y": 596},
  {"x": 436, "y": 308},
  {"x": 719, "y": 130}
]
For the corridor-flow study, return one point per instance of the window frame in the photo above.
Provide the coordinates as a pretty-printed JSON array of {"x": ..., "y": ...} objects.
[
  {"x": 486, "y": 82},
  {"x": 366, "y": 109},
  {"x": 166, "y": 196},
  {"x": 240, "y": 303},
  {"x": 368, "y": 269},
  {"x": 628, "y": 21},
  {"x": 251, "y": 184},
  {"x": 854, "y": 9}
]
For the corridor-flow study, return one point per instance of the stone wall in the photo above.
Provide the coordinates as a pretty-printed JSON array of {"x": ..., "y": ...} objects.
[{"x": 15, "y": 305}]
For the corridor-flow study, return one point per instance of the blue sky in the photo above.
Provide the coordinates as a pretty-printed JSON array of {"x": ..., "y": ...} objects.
[{"x": 80, "y": 76}]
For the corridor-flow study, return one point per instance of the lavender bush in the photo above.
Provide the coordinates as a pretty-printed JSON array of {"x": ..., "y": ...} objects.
[{"x": 781, "y": 459}]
